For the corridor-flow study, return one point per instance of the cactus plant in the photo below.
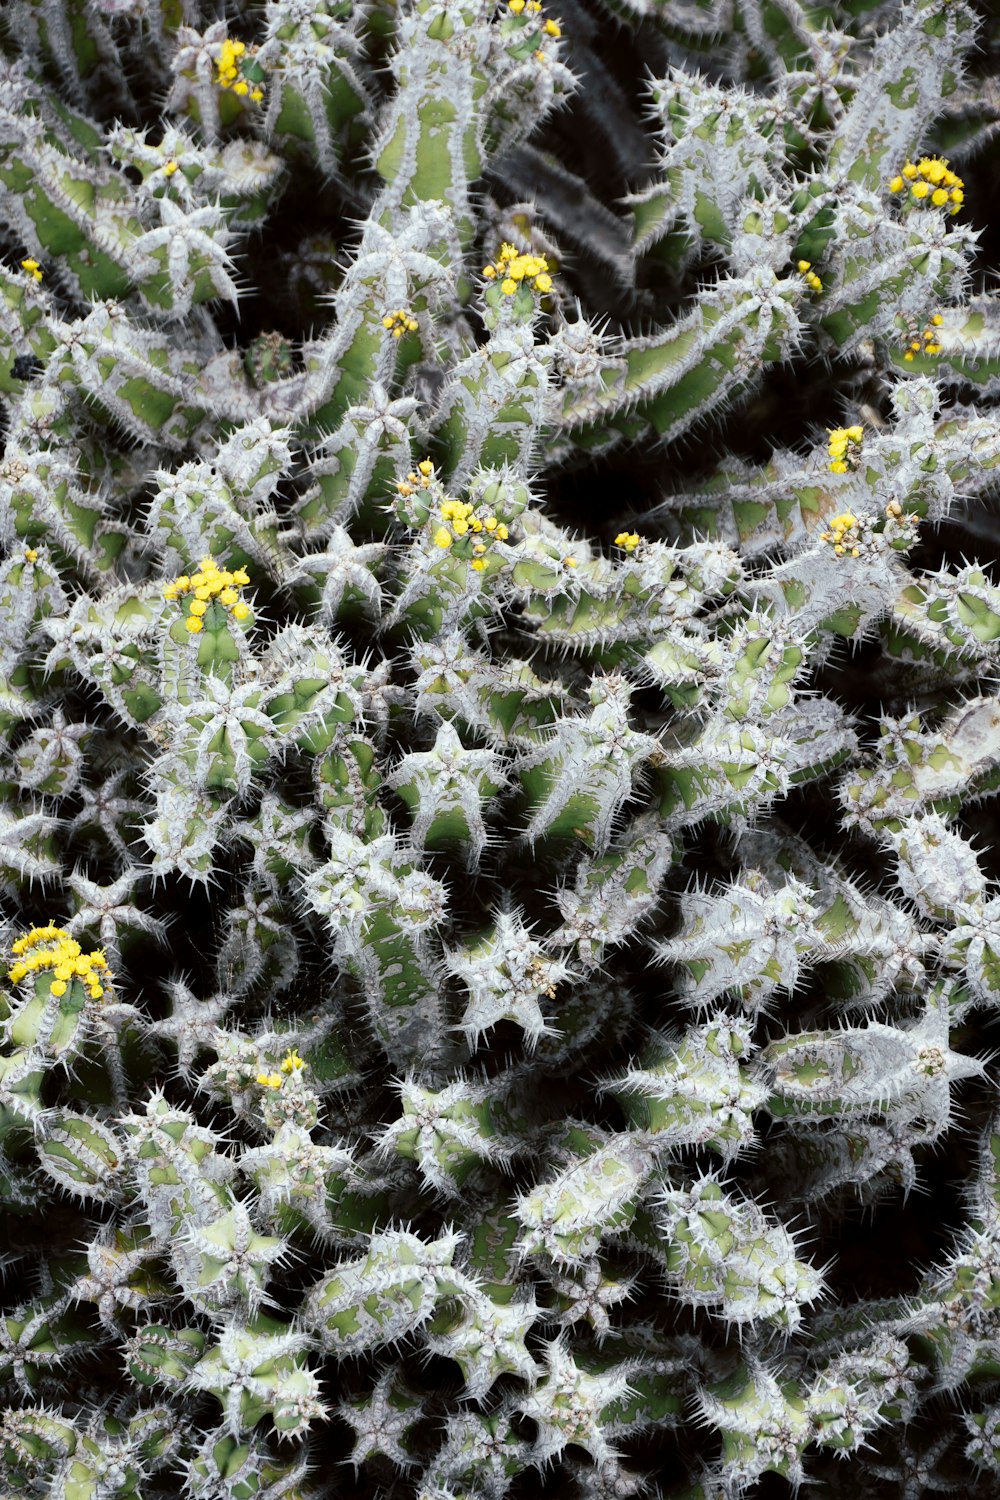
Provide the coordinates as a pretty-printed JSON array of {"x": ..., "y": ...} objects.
[{"x": 489, "y": 884}]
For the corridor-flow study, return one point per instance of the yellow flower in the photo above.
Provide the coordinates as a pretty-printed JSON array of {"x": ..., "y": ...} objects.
[
  {"x": 896, "y": 185},
  {"x": 37, "y": 935},
  {"x": 33, "y": 269},
  {"x": 241, "y": 611},
  {"x": 170, "y": 168},
  {"x": 629, "y": 540},
  {"x": 443, "y": 538},
  {"x": 508, "y": 287},
  {"x": 839, "y": 441},
  {"x": 552, "y": 28},
  {"x": 228, "y": 63},
  {"x": 194, "y": 625},
  {"x": 399, "y": 322},
  {"x": 478, "y": 564},
  {"x": 207, "y": 583},
  {"x": 52, "y": 948},
  {"x": 426, "y": 467}
]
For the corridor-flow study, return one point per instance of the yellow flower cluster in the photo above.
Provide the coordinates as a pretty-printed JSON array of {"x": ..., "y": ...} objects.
[
  {"x": 33, "y": 269},
  {"x": 31, "y": 554},
  {"x": 812, "y": 280},
  {"x": 461, "y": 521},
  {"x": 866, "y": 536},
  {"x": 400, "y": 322},
  {"x": 628, "y": 539},
  {"x": 533, "y": 8},
  {"x": 53, "y": 948},
  {"x": 930, "y": 181},
  {"x": 229, "y": 70},
  {"x": 927, "y": 343},
  {"x": 843, "y": 534},
  {"x": 458, "y": 516},
  {"x": 292, "y": 1063},
  {"x": 514, "y": 268},
  {"x": 844, "y": 448},
  {"x": 210, "y": 585},
  {"x": 420, "y": 478}
]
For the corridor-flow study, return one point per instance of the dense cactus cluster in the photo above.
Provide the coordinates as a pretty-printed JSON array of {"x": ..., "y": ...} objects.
[{"x": 494, "y": 929}]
